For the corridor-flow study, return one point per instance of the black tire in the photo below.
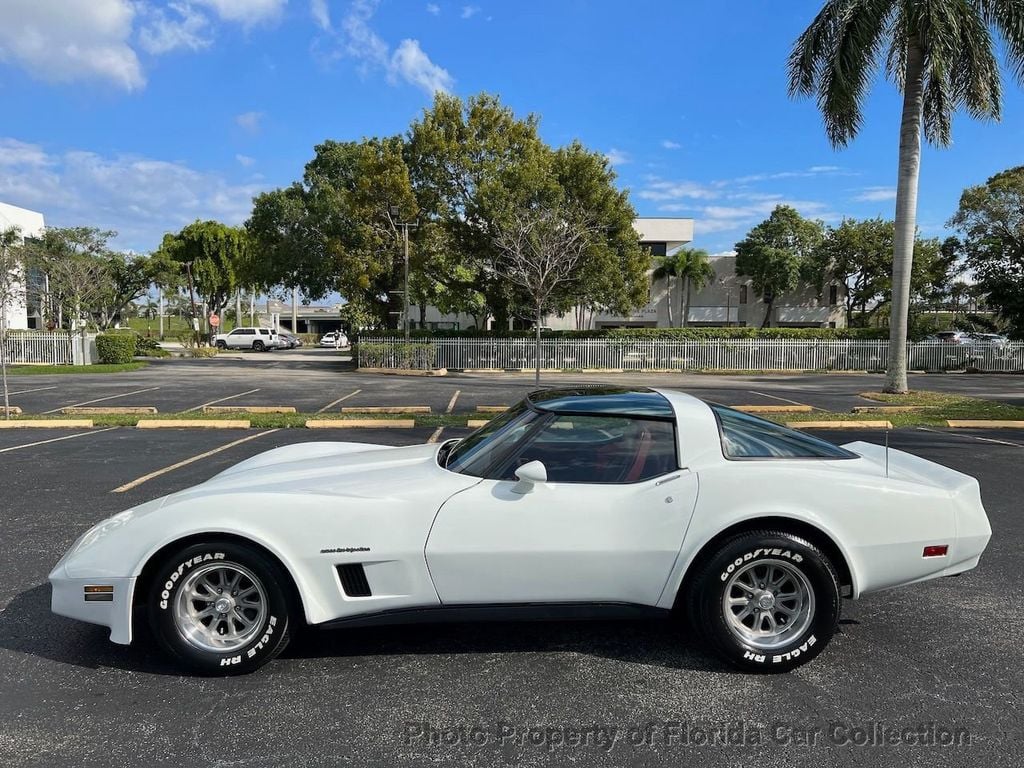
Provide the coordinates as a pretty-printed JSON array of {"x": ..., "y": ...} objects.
[
  {"x": 748, "y": 558},
  {"x": 221, "y": 344},
  {"x": 258, "y": 346},
  {"x": 188, "y": 639}
]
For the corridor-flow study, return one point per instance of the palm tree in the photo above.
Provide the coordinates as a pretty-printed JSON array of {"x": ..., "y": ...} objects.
[
  {"x": 693, "y": 266},
  {"x": 666, "y": 269},
  {"x": 941, "y": 55}
]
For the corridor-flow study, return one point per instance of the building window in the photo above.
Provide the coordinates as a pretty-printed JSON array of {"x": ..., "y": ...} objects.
[
  {"x": 743, "y": 294},
  {"x": 833, "y": 295}
]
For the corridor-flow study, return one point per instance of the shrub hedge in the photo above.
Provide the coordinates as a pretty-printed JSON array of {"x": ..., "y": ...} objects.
[
  {"x": 682, "y": 334},
  {"x": 115, "y": 348}
]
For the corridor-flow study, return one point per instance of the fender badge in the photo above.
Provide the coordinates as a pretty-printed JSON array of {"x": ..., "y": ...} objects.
[{"x": 336, "y": 550}]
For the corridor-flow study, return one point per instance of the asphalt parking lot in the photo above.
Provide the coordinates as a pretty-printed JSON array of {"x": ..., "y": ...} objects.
[
  {"x": 944, "y": 655},
  {"x": 326, "y": 383}
]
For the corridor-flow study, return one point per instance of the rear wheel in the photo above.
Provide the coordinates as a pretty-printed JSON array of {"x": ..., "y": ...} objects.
[
  {"x": 220, "y": 608},
  {"x": 258, "y": 346},
  {"x": 766, "y": 601}
]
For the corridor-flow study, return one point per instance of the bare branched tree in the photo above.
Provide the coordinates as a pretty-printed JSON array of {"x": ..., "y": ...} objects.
[{"x": 539, "y": 249}]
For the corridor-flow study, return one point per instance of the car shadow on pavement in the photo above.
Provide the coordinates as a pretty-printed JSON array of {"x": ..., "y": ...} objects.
[{"x": 27, "y": 626}]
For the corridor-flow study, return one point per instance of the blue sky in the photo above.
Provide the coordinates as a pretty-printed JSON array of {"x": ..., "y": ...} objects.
[{"x": 141, "y": 116}]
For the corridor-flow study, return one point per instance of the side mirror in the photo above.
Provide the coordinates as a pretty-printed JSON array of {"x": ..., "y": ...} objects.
[{"x": 530, "y": 474}]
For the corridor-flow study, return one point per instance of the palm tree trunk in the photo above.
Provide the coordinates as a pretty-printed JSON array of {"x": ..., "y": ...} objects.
[
  {"x": 906, "y": 217},
  {"x": 668, "y": 298},
  {"x": 685, "y": 320}
]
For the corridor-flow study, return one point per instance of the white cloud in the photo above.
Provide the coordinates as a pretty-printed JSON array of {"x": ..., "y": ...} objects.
[
  {"x": 617, "y": 156},
  {"x": 245, "y": 161},
  {"x": 409, "y": 62},
  {"x": 250, "y": 121},
  {"x": 469, "y": 11},
  {"x": 660, "y": 190},
  {"x": 876, "y": 194},
  {"x": 69, "y": 40},
  {"x": 321, "y": 14},
  {"x": 138, "y": 196},
  {"x": 669, "y": 144},
  {"x": 165, "y": 33},
  {"x": 433, "y": 9},
  {"x": 414, "y": 66},
  {"x": 245, "y": 12}
]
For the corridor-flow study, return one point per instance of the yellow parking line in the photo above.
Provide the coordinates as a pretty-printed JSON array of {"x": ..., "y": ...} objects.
[
  {"x": 776, "y": 397},
  {"x": 220, "y": 400},
  {"x": 340, "y": 399},
  {"x": 184, "y": 463},
  {"x": 102, "y": 399},
  {"x": 451, "y": 403},
  {"x": 436, "y": 436},
  {"x": 54, "y": 440}
]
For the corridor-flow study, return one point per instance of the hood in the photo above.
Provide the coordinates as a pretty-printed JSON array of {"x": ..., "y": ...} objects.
[{"x": 343, "y": 469}]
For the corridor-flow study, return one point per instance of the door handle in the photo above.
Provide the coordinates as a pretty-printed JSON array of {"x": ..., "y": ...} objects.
[{"x": 670, "y": 478}]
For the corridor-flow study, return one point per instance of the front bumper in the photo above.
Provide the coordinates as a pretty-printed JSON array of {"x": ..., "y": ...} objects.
[{"x": 68, "y": 599}]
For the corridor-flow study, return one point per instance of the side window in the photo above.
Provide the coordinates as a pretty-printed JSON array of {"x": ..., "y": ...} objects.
[
  {"x": 748, "y": 437},
  {"x": 599, "y": 449}
]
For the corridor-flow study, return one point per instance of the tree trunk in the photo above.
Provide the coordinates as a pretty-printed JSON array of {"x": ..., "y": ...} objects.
[
  {"x": 684, "y": 321},
  {"x": 906, "y": 218},
  {"x": 668, "y": 297},
  {"x": 766, "y": 323},
  {"x": 3, "y": 357},
  {"x": 536, "y": 375}
]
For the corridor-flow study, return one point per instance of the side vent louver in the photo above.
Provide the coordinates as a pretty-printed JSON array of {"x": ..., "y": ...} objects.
[{"x": 353, "y": 580}]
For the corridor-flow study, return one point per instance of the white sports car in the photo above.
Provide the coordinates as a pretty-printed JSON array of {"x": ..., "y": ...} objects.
[{"x": 573, "y": 503}]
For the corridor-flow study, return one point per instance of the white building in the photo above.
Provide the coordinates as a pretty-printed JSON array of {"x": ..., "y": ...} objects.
[{"x": 30, "y": 224}]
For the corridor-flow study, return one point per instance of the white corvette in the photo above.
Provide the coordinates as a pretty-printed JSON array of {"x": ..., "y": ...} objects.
[{"x": 594, "y": 501}]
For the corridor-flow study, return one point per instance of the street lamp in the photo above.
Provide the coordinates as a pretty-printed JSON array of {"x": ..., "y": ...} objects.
[{"x": 395, "y": 212}]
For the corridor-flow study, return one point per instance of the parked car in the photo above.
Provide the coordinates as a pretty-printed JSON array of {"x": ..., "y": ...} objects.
[
  {"x": 257, "y": 339},
  {"x": 575, "y": 502},
  {"x": 988, "y": 339},
  {"x": 950, "y": 337},
  {"x": 331, "y": 339},
  {"x": 290, "y": 340}
]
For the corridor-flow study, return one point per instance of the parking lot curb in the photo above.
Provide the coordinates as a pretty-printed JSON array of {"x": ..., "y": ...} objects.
[
  {"x": 14, "y": 410},
  {"x": 193, "y": 424},
  {"x": 46, "y": 423},
  {"x": 360, "y": 423},
  {"x": 249, "y": 409},
  {"x": 984, "y": 424},
  {"x": 773, "y": 408},
  {"x": 491, "y": 408},
  {"x": 477, "y": 423},
  {"x": 403, "y": 372},
  {"x": 889, "y": 408},
  {"x": 839, "y": 424},
  {"x": 387, "y": 409},
  {"x": 117, "y": 409}
]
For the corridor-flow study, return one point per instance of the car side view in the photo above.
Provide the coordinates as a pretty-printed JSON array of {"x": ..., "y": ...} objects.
[
  {"x": 256, "y": 339},
  {"x": 612, "y": 502}
]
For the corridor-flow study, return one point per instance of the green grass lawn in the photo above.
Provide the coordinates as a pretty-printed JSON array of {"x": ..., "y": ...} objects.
[{"x": 40, "y": 370}]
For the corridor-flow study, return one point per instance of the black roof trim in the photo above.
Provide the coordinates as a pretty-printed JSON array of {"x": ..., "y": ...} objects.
[{"x": 603, "y": 400}]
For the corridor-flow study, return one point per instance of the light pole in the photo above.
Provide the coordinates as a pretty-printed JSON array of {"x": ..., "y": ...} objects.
[{"x": 395, "y": 212}]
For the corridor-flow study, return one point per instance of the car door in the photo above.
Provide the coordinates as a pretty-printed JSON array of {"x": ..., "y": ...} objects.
[{"x": 606, "y": 526}]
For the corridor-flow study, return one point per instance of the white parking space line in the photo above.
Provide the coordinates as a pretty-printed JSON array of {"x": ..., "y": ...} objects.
[
  {"x": 55, "y": 440},
  {"x": 185, "y": 462},
  {"x": 436, "y": 436},
  {"x": 972, "y": 437},
  {"x": 783, "y": 399},
  {"x": 220, "y": 400},
  {"x": 102, "y": 399},
  {"x": 451, "y": 403},
  {"x": 26, "y": 391},
  {"x": 340, "y": 399}
]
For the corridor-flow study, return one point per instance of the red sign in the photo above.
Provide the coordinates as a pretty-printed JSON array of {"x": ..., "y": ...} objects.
[{"x": 214, "y": 320}]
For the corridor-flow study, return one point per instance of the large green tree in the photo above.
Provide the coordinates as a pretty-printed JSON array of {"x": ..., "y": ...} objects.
[
  {"x": 990, "y": 219},
  {"x": 693, "y": 267},
  {"x": 777, "y": 253},
  {"x": 212, "y": 255},
  {"x": 941, "y": 55}
]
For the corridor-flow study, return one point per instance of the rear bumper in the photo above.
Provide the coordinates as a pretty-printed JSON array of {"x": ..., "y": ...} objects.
[{"x": 68, "y": 599}]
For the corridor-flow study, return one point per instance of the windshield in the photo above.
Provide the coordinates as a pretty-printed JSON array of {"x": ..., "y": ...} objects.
[{"x": 481, "y": 449}]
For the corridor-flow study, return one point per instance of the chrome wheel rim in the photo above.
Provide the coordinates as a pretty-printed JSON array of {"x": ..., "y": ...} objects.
[
  {"x": 767, "y": 604},
  {"x": 220, "y": 607}
]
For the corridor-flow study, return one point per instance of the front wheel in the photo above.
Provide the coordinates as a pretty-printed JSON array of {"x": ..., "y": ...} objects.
[
  {"x": 221, "y": 344},
  {"x": 766, "y": 601},
  {"x": 258, "y": 346},
  {"x": 220, "y": 608}
]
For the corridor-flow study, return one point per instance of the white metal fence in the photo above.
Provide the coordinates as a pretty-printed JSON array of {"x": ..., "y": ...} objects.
[
  {"x": 49, "y": 347},
  {"x": 707, "y": 354}
]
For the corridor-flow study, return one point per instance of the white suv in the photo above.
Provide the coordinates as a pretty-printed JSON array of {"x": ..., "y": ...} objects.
[{"x": 257, "y": 339}]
